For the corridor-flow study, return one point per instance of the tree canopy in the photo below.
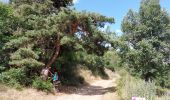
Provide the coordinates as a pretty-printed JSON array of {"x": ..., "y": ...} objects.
[
  {"x": 48, "y": 32},
  {"x": 147, "y": 36},
  {"x": 37, "y": 34}
]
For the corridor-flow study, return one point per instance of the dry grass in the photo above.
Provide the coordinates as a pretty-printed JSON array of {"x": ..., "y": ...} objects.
[
  {"x": 7, "y": 93},
  {"x": 87, "y": 75},
  {"x": 25, "y": 94},
  {"x": 166, "y": 96},
  {"x": 90, "y": 78},
  {"x": 130, "y": 86},
  {"x": 29, "y": 94},
  {"x": 163, "y": 98},
  {"x": 3, "y": 88}
]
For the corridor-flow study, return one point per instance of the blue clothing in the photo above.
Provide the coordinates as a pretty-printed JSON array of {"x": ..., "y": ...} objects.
[{"x": 55, "y": 77}]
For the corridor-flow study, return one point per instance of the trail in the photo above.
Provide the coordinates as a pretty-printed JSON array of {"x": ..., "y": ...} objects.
[{"x": 98, "y": 90}]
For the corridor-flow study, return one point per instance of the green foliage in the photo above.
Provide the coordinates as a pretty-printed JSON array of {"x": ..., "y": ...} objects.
[
  {"x": 14, "y": 77},
  {"x": 25, "y": 57},
  {"x": 31, "y": 32},
  {"x": 5, "y": 18},
  {"x": 7, "y": 21},
  {"x": 40, "y": 84},
  {"x": 62, "y": 3},
  {"x": 129, "y": 86},
  {"x": 112, "y": 60},
  {"x": 68, "y": 76},
  {"x": 38, "y": 35},
  {"x": 146, "y": 48}
]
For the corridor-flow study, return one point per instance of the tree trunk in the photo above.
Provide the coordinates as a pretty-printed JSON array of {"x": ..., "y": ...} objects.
[{"x": 56, "y": 53}]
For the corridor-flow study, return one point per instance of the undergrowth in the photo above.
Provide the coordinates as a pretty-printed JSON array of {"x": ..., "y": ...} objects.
[
  {"x": 129, "y": 86},
  {"x": 40, "y": 84}
]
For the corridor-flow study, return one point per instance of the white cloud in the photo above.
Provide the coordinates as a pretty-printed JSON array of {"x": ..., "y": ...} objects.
[{"x": 75, "y": 1}]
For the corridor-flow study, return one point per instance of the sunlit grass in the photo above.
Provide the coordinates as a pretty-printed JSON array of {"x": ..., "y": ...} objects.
[{"x": 129, "y": 87}]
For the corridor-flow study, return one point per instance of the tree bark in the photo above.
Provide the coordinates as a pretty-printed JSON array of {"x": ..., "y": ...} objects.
[{"x": 56, "y": 53}]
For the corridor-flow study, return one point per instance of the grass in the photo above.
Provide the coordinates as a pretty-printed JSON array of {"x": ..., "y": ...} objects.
[
  {"x": 129, "y": 86},
  {"x": 164, "y": 97},
  {"x": 3, "y": 88}
]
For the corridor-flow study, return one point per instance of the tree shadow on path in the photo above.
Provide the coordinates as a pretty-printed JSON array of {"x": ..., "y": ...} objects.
[{"x": 87, "y": 90}]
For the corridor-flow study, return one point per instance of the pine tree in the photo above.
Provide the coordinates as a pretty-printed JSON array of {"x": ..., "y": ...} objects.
[
  {"x": 7, "y": 27},
  {"x": 46, "y": 33}
]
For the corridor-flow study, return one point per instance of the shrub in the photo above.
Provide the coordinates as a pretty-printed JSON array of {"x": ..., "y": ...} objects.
[
  {"x": 14, "y": 77},
  {"x": 129, "y": 86},
  {"x": 40, "y": 84},
  {"x": 17, "y": 78},
  {"x": 112, "y": 60}
]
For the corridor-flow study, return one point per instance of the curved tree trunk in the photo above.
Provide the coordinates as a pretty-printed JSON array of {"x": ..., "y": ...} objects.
[{"x": 56, "y": 53}]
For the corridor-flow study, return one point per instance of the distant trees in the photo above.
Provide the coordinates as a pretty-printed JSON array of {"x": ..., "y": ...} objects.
[{"x": 147, "y": 37}]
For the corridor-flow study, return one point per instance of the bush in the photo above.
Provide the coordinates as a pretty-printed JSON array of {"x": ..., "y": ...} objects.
[
  {"x": 112, "y": 60},
  {"x": 40, "y": 84},
  {"x": 14, "y": 77},
  {"x": 17, "y": 78},
  {"x": 129, "y": 86}
]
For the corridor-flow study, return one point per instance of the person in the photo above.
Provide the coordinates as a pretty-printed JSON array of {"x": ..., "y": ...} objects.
[
  {"x": 44, "y": 73},
  {"x": 56, "y": 81},
  {"x": 55, "y": 77}
]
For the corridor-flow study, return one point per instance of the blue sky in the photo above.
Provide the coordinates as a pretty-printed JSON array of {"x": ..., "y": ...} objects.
[
  {"x": 112, "y": 8},
  {"x": 4, "y": 1}
]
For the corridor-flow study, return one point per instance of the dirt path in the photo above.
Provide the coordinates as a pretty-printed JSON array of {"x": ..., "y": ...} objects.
[{"x": 99, "y": 90}]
